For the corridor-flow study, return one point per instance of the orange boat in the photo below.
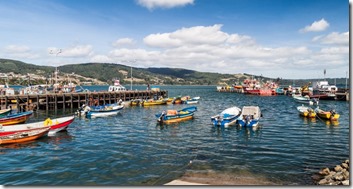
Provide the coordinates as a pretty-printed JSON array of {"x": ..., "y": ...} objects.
[
  {"x": 24, "y": 136},
  {"x": 15, "y": 118}
]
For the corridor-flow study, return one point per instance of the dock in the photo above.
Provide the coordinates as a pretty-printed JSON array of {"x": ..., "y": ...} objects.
[{"x": 55, "y": 101}]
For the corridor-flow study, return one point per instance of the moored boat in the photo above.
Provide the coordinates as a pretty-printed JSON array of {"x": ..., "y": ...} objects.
[
  {"x": 16, "y": 118},
  {"x": 5, "y": 112},
  {"x": 305, "y": 99},
  {"x": 250, "y": 116},
  {"x": 328, "y": 115},
  {"x": 173, "y": 116},
  {"x": 227, "y": 117},
  {"x": 192, "y": 100},
  {"x": 55, "y": 125},
  {"x": 24, "y": 136},
  {"x": 306, "y": 111},
  {"x": 100, "y": 111},
  {"x": 152, "y": 102}
]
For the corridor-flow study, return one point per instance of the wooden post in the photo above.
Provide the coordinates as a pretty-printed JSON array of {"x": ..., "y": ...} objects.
[
  {"x": 46, "y": 102},
  {"x": 79, "y": 100},
  {"x": 27, "y": 108},
  {"x": 72, "y": 102},
  {"x": 6, "y": 101},
  {"x": 18, "y": 104},
  {"x": 64, "y": 102},
  {"x": 37, "y": 102},
  {"x": 103, "y": 98},
  {"x": 56, "y": 102},
  {"x": 110, "y": 98}
]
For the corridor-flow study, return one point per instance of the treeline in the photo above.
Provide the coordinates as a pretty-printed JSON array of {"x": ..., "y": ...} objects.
[{"x": 107, "y": 72}]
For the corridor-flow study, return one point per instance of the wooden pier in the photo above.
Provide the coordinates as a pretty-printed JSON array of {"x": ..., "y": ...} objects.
[{"x": 55, "y": 101}]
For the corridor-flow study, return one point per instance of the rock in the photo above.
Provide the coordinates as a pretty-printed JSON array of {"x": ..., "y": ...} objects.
[
  {"x": 324, "y": 171},
  {"x": 345, "y": 175},
  {"x": 347, "y": 161},
  {"x": 344, "y": 165},
  {"x": 338, "y": 176},
  {"x": 345, "y": 182},
  {"x": 323, "y": 182},
  {"x": 338, "y": 168}
]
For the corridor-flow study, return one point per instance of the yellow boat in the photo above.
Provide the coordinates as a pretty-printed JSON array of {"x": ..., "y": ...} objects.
[
  {"x": 154, "y": 102},
  {"x": 328, "y": 115}
]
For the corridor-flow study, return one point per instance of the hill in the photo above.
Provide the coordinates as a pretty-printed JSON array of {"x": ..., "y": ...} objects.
[{"x": 20, "y": 73}]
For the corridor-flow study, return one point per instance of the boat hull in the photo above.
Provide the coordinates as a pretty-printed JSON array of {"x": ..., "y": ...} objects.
[
  {"x": 15, "y": 118},
  {"x": 24, "y": 136}
]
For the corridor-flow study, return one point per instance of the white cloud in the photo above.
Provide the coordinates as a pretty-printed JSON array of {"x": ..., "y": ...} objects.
[
  {"x": 192, "y": 36},
  {"x": 19, "y": 52},
  {"x": 152, "y": 4},
  {"x": 72, "y": 52},
  {"x": 316, "y": 26},
  {"x": 333, "y": 38},
  {"x": 17, "y": 49},
  {"x": 124, "y": 42}
]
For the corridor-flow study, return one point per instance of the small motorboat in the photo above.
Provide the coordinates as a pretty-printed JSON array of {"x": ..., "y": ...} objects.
[
  {"x": 250, "y": 116},
  {"x": 55, "y": 125},
  {"x": 173, "y": 116},
  {"x": 306, "y": 111},
  {"x": 192, "y": 100},
  {"x": 100, "y": 111},
  {"x": 328, "y": 115},
  {"x": 152, "y": 102},
  {"x": 227, "y": 117},
  {"x": 24, "y": 136},
  {"x": 306, "y": 100},
  {"x": 5, "y": 112},
  {"x": 16, "y": 118}
]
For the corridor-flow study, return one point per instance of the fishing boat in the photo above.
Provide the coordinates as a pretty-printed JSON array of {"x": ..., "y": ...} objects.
[
  {"x": 306, "y": 111},
  {"x": 136, "y": 102},
  {"x": 305, "y": 99},
  {"x": 116, "y": 87},
  {"x": 227, "y": 117},
  {"x": 250, "y": 116},
  {"x": 5, "y": 112},
  {"x": 192, "y": 100},
  {"x": 16, "y": 118},
  {"x": 55, "y": 125},
  {"x": 173, "y": 116},
  {"x": 152, "y": 102},
  {"x": 24, "y": 136},
  {"x": 328, "y": 115},
  {"x": 100, "y": 111}
]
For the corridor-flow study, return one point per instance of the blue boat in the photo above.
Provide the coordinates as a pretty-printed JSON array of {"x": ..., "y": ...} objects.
[
  {"x": 250, "y": 116},
  {"x": 227, "y": 117},
  {"x": 100, "y": 111},
  {"x": 174, "y": 116}
]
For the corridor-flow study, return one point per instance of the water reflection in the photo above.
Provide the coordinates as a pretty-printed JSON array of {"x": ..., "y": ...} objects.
[{"x": 58, "y": 138}]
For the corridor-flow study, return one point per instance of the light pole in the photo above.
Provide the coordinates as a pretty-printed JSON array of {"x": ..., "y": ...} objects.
[
  {"x": 56, "y": 68},
  {"x": 130, "y": 61}
]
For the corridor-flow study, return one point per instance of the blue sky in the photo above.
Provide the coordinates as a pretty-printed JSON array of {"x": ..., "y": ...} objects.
[{"x": 291, "y": 39}]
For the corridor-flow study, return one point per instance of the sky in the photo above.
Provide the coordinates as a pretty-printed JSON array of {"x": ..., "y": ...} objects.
[{"x": 290, "y": 39}]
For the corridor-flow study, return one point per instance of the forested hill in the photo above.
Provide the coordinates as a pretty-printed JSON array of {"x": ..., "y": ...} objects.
[{"x": 107, "y": 72}]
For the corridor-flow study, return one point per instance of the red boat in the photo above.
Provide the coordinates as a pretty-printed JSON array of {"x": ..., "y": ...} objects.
[
  {"x": 56, "y": 125},
  {"x": 24, "y": 136}
]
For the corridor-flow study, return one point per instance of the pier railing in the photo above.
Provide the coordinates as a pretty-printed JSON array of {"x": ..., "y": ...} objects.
[{"x": 54, "y": 101}]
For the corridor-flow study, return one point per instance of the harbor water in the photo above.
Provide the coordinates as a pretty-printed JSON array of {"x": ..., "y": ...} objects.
[{"x": 131, "y": 149}]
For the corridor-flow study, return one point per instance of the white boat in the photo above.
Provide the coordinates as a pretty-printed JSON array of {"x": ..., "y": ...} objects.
[
  {"x": 305, "y": 99},
  {"x": 116, "y": 87},
  {"x": 192, "y": 101},
  {"x": 227, "y": 117},
  {"x": 56, "y": 125},
  {"x": 250, "y": 116},
  {"x": 100, "y": 111}
]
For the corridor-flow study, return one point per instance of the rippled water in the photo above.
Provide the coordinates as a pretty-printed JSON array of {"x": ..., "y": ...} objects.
[{"x": 132, "y": 149}]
